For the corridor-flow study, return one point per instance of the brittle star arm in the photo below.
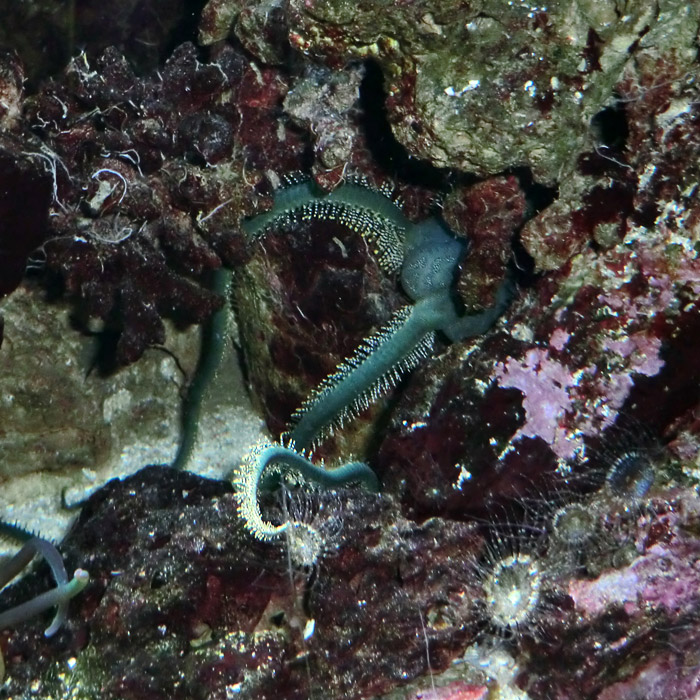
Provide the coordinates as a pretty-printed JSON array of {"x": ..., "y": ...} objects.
[
  {"x": 214, "y": 341},
  {"x": 382, "y": 358},
  {"x": 267, "y": 456}
]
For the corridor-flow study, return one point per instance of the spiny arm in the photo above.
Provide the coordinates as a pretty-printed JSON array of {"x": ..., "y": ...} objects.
[
  {"x": 370, "y": 371},
  {"x": 266, "y": 456}
]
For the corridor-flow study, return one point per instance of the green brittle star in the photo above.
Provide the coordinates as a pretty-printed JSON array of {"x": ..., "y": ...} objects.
[{"x": 427, "y": 255}]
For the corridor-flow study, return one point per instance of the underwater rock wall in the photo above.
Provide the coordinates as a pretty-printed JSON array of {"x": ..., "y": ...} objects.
[{"x": 537, "y": 530}]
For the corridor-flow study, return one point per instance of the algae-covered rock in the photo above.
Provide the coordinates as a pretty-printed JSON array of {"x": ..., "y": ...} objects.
[{"x": 485, "y": 86}]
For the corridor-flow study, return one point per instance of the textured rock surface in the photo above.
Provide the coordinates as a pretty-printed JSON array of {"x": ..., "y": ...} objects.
[
  {"x": 507, "y": 84},
  {"x": 67, "y": 428},
  {"x": 148, "y": 185},
  {"x": 179, "y": 593},
  {"x": 183, "y": 606},
  {"x": 306, "y": 299},
  {"x": 565, "y": 441}
]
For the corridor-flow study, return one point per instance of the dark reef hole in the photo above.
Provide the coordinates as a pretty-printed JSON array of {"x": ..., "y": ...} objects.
[
  {"x": 610, "y": 128},
  {"x": 593, "y": 51},
  {"x": 394, "y": 158},
  {"x": 147, "y": 51},
  {"x": 187, "y": 28},
  {"x": 523, "y": 267},
  {"x": 660, "y": 400},
  {"x": 382, "y": 143},
  {"x": 537, "y": 197},
  {"x": 104, "y": 359}
]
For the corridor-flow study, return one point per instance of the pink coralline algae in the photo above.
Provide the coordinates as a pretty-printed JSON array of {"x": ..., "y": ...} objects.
[
  {"x": 643, "y": 350},
  {"x": 646, "y": 603},
  {"x": 458, "y": 690},
  {"x": 547, "y": 388},
  {"x": 559, "y": 339},
  {"x": 607, "y": 333},
  {"x": 664, "y": 677},
  {"x": 551, "y": 389},
  {"x": 660, "y": 578}
]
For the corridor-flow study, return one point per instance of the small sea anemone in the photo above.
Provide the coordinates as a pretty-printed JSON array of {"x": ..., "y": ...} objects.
[
  {"x": 623, "y": 463},
  {"x": 632, "y": 473},
  {"x": 573, "y": 524},
  {"x": 305, "y": 544},
  {"x": 514, "y": 574},
  {"x": 315, "y": 522},
  {"x": 512, "y": 590},
  {"x": 577, "y": 536}
]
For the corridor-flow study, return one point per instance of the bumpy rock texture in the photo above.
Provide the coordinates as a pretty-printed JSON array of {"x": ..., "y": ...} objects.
[
  {"x": 568, "y": 137},
  {"x": 486, "y": 86},
  {"x": 182, "y": 605}
]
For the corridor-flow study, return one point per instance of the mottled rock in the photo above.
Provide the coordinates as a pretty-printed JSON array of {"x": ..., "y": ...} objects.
[
  {"x": 182, "y": 605},
  {"x": 307, "y": 297},
  {"x": 138, "y": 215},
  {"x": 320, "y": 103},
  {"x": 490, "y": 448},
  {"x": 505, "y": 85},
  {"x": 68, "y": 429}
]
